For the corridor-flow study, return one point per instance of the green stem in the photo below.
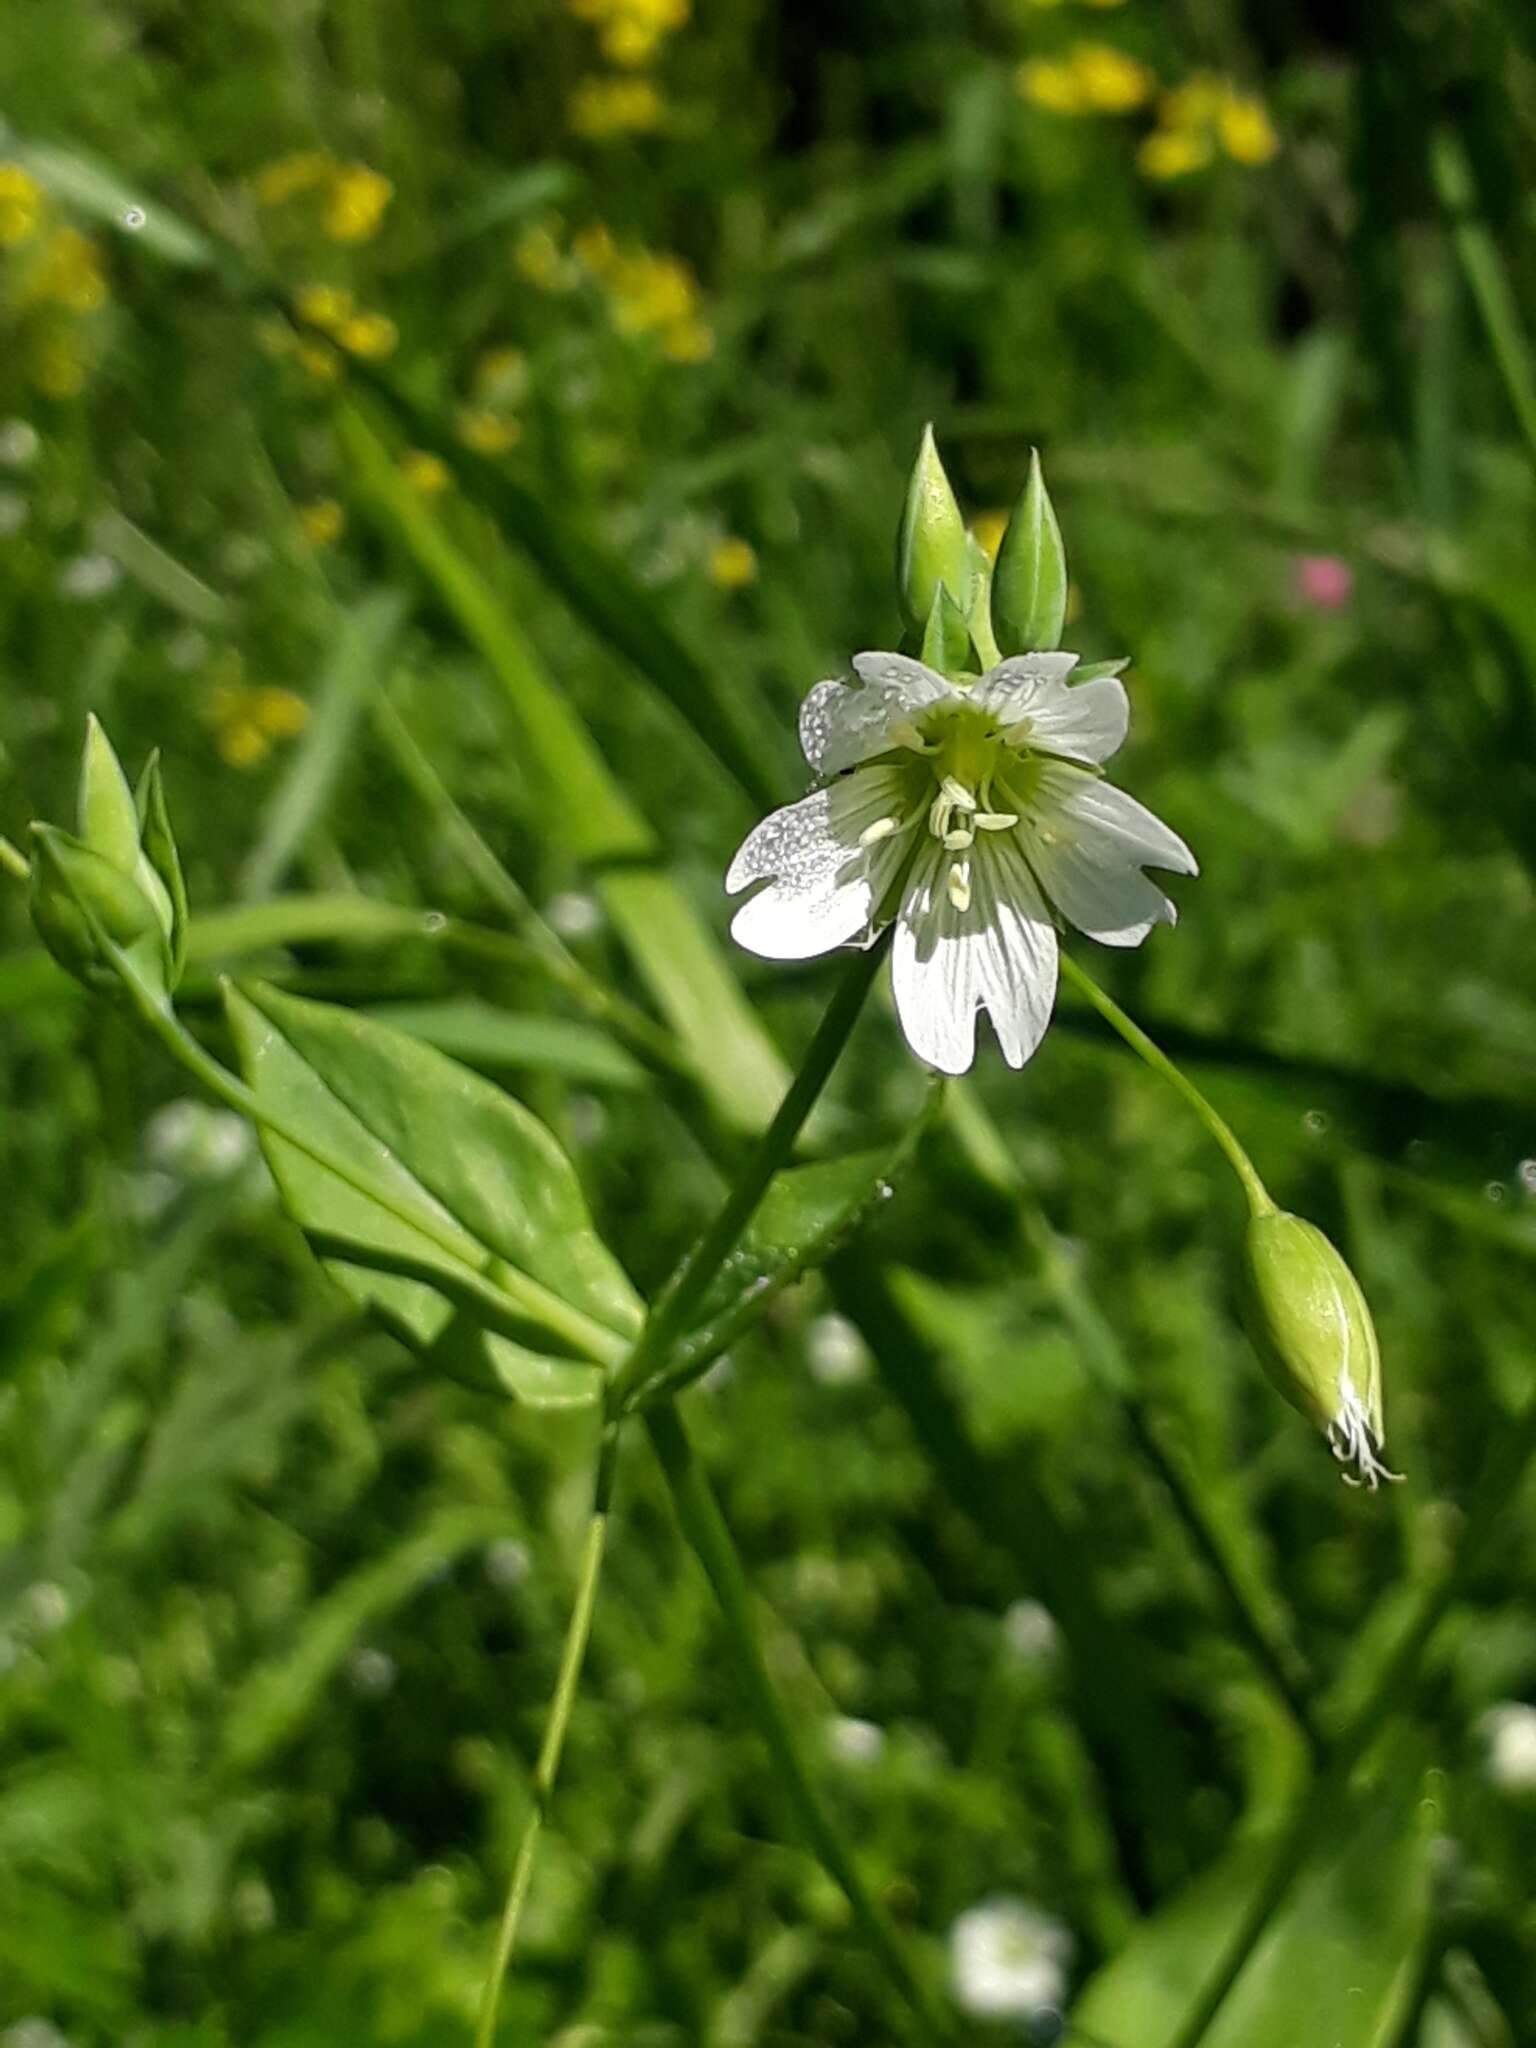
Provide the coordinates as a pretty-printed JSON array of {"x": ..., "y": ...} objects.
[
  {"x": 699, "y": 1516},
  {"x": 1259, "y": 1201},
  {"x": 683, "y": 1293},
  {"x": 1486, "y": 277},
  {"x": 547, "y": 1769}
]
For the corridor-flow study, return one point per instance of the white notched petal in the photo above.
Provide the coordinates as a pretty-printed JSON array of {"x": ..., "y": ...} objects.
[
  {"x": 1116, "y": 903},
  {"x": 998, "y": 955},
  {"x": 822, "y": 886},
  {"x": 1087, "y": 722},
  {"x": 842, "y": 724},
  {"x": 1108, "y": 825}
]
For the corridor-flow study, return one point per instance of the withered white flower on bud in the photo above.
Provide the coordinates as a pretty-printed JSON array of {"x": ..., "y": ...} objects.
[{"x": 1313, "y": 1332}]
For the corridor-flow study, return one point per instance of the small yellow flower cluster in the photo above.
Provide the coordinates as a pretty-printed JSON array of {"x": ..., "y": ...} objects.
[
  {"x": 353, "y": 197},
  {"x": 648, "y": 293},
  {"x": 489, "y": 425},
  {"x": 55, "y": 280},
  {"x": 21, "y": 205},
  {"x": 631, "y": 31},
  {"x": 1092, "y": 78},
  {"x": 323, "y": 522},
  {"x": 540, "y": 260},
  {"x": 732, "y": 563},
  {"x": 248, "y": 719},
  {"x": 1194, "y": 118},
  {"x": 425, "y": 472},
  {"x": 603, "y": 107},
  {"x": 331, "y": 308}
]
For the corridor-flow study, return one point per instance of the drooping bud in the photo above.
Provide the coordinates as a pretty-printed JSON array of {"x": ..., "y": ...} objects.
[
  {"x": 1313, "y": 1332},
  {"x": 1029, "y": 584},
  {"x": 933, "y": 549}
]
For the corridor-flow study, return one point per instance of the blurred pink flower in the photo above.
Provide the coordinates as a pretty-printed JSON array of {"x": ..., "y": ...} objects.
[{"x": 1326, "y": 581}]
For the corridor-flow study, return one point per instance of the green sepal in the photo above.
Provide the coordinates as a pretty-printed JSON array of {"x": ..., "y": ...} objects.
[
  {"x": 108, "y": 817},
  {"x": 946, "y": 637},
  {"x": 79, "y": 898},
  {"x": 932, "y": 546},
  {"x": 1091, "y": 671},
  {"x": 160, "y": 855},
  {"x": 1029, "y": 584}
]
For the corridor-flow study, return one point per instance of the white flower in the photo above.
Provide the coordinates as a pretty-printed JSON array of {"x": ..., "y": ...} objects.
[
  {"x": 968, "y": 814},
  {"x": 1008, "y": 1960},
  {"x": 1509, "y": 1737}
]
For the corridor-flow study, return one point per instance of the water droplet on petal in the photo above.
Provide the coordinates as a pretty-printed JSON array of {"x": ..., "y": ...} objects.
[
  {"x": 1526, "y": 1172},
  {"x": 134, "y": 218},
  {"x": 434, "y": 922},
  {"x": 1495, "y": 1191},
  {"x": 1316, "y": 1121}
]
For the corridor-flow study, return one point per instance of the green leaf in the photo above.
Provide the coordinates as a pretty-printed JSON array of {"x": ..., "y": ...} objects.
[
  {"x": 85, "y": 182},
  {"x": 1337, "y": 1962},
  {"x": 504, "y": 1041},
  {"x": 435, "y": 1172},
  {"x": 933, "y": 549},
  {"x": 1029, "y": 584},
  {"x": 159, "y": 850},
  {"x": 157, "y": 571},
  {"x": 946, "y": 638},
  {"x": 297, "y": 804}
]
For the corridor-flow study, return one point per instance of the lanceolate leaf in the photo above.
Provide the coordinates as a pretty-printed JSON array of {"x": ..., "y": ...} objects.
[
  {"x": 1336, "y": 1963},
  {"x": 438, "y": 1175}
]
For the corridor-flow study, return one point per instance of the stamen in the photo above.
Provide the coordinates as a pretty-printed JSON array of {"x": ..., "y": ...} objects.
[
  {"x": 1018, "y": 735},
  {"x": 938, "y": 815},
  {"x": 957, "y": 840},
  {"x": 960, "y": 884},
  {"x": 882, "y": 828},
  {"x": 995, "y": 821},
  {"x": 907, "y": 735},
  {"x": 959, "y": 796},
  {"x": 1353, "y": 1442}
]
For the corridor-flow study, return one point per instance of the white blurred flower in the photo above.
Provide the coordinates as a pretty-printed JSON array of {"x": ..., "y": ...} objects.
[
  {"x": 1029, "y": 1630},
  {"x": 195, "y": 1141},
  {"x": 1008, "y": 1960},
  {"x": 574, "y": 914},
  {"x": 507, "y": 1563},
  {"x": 87, "y": 577},
  {"x": 33, "y": 2033},
  {"x": 855, "y": 1742},
  {"x": 835, "y": 1352},
  {"x": 1509, "y": 1735},
  {"x": 19, "y": 444},
  {"x": 968, "y": 815}
]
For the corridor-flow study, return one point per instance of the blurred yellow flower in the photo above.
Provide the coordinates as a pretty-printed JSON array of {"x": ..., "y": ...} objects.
[
  {"x": 287, "y": 176},
  {"x": 650, "y": 291},
  {"x": 56, "y": 364},
  {"x": 1169, "y": 153},
  {"x": 1049, "y": 84},
  {"x": 501, "y": 374},
  {"x": 595, "y": 247},
  {"x": 601, "y": 107},
  {"x": 732, "y": 563},
  {"x": 688, "y": 341},
  {"x": 323, "y": 522},
  {"x": 1194, "y": 104},
  {"x": 631, "y": 31},
  {"x": 320, "y": 360},
  {"x": 372, "y": 335},
  {"x": 488, "y": 433},
  {"x": 989, "y": 528},
  {"x": 69, "y": 273},
  {"x": 20, "y": 204},
  {"x": 323, "y": 305},
  {"x": 536, "y": 255},
  {"x": 247, "y": 719},
  {"x": 1109, "y": 81},
  {"x": 358, "y": 197},
  {"x": 1246, "y": 131},
  {"x": 424, "y": 471}
]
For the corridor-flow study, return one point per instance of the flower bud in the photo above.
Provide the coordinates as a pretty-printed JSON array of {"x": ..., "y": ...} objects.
[
  {"x": 1313, "y": 1332},
  {"x": 933, "y": 549},
  {"x": 1029, "y": 584},
  {"x": 78, "y": 894}
]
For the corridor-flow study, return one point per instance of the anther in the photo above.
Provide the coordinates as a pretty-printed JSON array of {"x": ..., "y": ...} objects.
[
  {"x": 882, "y": 828},
  {"x": 995, "y": 821},
  {"x": 960, "y": 884},
  {"x": 959, "y": 796},
  {"x": 958, "y": 840}
]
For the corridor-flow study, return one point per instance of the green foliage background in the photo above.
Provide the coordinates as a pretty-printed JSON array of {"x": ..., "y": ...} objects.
[{"x": 280, "y": 1608}]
